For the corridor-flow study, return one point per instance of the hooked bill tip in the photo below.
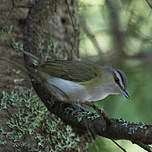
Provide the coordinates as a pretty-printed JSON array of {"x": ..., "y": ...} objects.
[{"x": 125, "y": 94}]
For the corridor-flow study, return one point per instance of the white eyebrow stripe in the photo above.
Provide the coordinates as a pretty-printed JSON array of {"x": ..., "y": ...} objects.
[{"x": 120, "y": 79}]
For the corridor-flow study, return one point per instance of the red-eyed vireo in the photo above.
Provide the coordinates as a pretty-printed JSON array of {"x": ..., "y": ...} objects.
[{"x": 81, "y": 82}]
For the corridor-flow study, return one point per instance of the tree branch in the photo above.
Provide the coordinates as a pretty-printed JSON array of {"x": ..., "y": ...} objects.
[
  {"x": 83, "y": 121},
  {"x": 86, "y": 122},
  {"x": 144, "y": 146},
  {"x": 149, "y": 3},
  {"x": 91, "y": 36}
]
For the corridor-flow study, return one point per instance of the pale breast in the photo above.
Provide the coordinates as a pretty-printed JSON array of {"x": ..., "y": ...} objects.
[{"x": 69, "y": 90}]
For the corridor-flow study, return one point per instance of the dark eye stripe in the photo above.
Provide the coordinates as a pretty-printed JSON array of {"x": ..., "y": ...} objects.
[
  {"x": 118, "y": 79},
  {"x": 123, "y": 77}
]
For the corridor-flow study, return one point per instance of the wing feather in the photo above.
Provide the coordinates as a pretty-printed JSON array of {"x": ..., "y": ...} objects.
[{"x": 76, "y": 71}]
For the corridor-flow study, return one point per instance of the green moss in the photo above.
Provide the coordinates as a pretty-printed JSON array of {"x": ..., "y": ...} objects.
[
  {"x": 31, "y": 127},
  {"x": 17, "y": 45}
]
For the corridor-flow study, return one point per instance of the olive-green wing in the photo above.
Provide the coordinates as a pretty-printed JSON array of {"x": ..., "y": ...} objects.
[{"x": 76, "y": 71}]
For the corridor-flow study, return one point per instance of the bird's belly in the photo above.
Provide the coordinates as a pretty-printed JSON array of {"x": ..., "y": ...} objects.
[
  {"x": 69, "y": 91},
  {"x": 95, "y": 97}
]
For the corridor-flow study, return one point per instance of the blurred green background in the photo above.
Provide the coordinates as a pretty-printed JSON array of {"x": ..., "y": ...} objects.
[{"x": 119, "y": 33}]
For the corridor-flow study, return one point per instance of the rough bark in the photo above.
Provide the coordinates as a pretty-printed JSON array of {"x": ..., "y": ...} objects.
[
  {"x": 82, "y": 120},
  {"x": 51, "y": 25}
]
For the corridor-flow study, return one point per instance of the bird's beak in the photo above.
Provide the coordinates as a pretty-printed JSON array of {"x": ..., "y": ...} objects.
[{"x": 125, "y": 93}]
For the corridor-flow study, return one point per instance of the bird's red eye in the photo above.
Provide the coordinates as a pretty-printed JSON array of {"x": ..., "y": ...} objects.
[{"x": 116, "y": 79}]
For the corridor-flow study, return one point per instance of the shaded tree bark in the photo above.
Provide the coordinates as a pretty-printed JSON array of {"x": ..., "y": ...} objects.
[
  {"x": 51, "y": 32},
  {"x": 48, "y": 14}
]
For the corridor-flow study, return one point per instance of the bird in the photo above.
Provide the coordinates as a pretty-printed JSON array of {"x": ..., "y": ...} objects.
[{"x": 81, "y": 81}]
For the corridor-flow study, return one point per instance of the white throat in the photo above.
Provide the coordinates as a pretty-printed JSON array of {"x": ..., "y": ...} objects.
[{"x": 101, "y": 91}]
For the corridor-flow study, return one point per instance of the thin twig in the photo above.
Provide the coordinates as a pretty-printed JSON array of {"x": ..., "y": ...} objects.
[
  {"x": 144, "y": 146},
  {"x": 90, "y": 35},
  {"x": 149, "y": 4},
  {"x": 118, "y": 145},
  {"x": 31, "y": 55}
]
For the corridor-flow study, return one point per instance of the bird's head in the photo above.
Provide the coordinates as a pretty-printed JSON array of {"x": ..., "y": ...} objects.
[{"x": 120, "y": 81}]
